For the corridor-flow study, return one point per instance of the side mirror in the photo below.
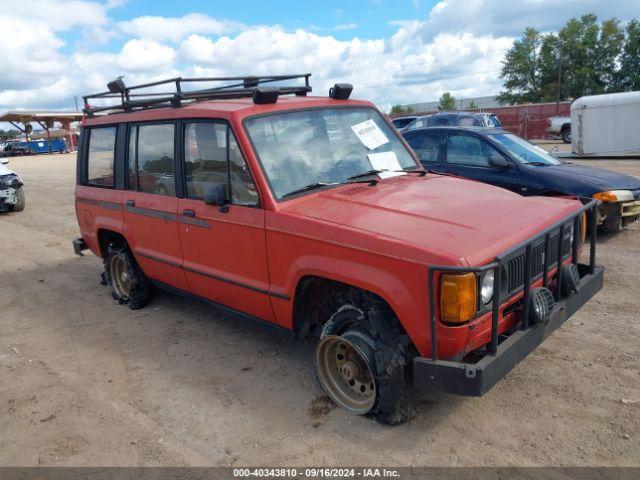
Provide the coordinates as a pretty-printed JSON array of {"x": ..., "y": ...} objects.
[
  {"x": 217, "y": 195},
  {"x": 498, "y": 161}
]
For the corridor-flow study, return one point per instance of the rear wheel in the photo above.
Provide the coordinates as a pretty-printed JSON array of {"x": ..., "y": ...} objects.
[
  {"x": 361, "y": 358},
  {"x": 566, "y": 135},
  {"x": 20, "y": 201},
  {"x": 129, "y": 284}
]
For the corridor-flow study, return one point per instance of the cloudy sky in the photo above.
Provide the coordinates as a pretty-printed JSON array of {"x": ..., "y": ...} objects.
[{"x": 393, "y": 51}]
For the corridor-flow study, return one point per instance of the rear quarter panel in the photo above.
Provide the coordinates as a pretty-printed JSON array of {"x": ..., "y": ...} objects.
[{"x": 96, "y": 209}]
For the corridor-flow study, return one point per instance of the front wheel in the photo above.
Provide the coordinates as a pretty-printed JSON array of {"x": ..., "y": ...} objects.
[
  {"x": 361, "y": 358},
  {"x": 20, "y": 201}
]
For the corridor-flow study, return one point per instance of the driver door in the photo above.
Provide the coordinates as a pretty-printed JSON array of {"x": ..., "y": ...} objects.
[
  {"x": 224, "y": 249},
  {"x": 469, "y": 156}
]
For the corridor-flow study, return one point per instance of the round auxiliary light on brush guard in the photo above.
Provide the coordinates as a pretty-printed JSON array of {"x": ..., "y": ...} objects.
[
  {"x": 542, "y": 303},
  {"x": 570, "y": 280}
]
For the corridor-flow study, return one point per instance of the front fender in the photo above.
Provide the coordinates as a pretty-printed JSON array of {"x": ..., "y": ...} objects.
[{"x": 402, "y": 285}]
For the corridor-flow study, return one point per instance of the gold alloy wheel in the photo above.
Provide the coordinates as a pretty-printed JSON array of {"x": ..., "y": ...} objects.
[
  {"x": 345, "y": 374},
  {"x": 120, "y": 278}
]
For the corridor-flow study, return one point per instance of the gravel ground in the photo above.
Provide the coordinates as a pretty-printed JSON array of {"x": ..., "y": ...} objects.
[{"x": 84, "y": 381}]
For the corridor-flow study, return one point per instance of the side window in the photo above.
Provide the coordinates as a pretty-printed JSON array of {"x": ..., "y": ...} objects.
[
  {"x": 468, "y": 150},
  {"x": 426, "y": 146},
  {"x": 212, "y": 156},
  {"x": 100, "y": 160},
  {"x": 155, "y": 154},
  {"x": 132, "y": 168}
]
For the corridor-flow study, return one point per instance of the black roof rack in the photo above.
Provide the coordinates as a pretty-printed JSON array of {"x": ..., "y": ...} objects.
[{"x": 134, "y": 98}]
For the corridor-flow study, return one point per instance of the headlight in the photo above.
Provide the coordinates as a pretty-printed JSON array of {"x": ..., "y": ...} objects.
[
  {"x": 614, "y": 196},
  {"x": 486, "y": 290}
]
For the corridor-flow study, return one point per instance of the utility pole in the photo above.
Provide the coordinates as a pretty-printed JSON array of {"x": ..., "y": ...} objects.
[
  {"x": 75, "y": 98},
  {"x": 559, "y": 86}
]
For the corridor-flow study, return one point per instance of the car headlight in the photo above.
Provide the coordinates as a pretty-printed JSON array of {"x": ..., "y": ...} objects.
[
  {"x": 486, "y": 289},
  {"x": 614, "y": 196}
]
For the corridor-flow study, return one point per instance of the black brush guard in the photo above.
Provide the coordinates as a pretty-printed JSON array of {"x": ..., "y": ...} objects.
[{"x": 477, "y": 378}]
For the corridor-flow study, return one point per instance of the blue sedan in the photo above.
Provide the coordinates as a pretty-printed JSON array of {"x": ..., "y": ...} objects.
[{"x": 495, "y": 156}]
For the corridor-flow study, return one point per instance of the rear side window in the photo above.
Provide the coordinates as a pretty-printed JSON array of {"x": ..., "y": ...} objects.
[
  {"x": 426, "y": 146},
  {"x": 212, "y": 156},
  {"x": 151, "y": 159},
  {"x": 100, "y": 160}
]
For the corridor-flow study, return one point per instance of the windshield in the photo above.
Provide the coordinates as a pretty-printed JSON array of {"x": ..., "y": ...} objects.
[
  {"x": 324, "y": 146},
  {"x": 493, "y": 121},
  {"x": 524, "y": 151}
]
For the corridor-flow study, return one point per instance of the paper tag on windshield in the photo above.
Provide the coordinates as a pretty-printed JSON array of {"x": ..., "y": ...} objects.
[
  {"x": 370, "y": 134},
  {"x": 385, "y": 161}
]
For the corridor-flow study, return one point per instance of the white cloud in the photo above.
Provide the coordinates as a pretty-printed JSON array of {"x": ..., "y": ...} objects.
[
  {"x": 176, "y": 28},
  {"x": 458, "y": 47},
  {"x": 57, "y": 15},
  {"x": 145, "y": 55},
  {"x": 510, "y": 18}
]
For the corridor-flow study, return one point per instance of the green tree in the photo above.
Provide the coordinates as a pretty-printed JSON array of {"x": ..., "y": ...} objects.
[
  {"x": 586, "y": 53},
  {"x": 627, "y": 78},
  {"x": 521, "y": 70},
  {"x": 608, "y": 53},
  {"x": 400, "y": 110},
  {"x": 472, "y": 105},
  {"x": 447, "y": 102}
]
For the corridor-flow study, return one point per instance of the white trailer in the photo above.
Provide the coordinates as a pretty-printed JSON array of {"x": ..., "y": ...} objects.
[{"x": 606, "y": 124}]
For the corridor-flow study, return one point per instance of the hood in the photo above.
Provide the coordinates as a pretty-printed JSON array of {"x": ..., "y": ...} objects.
[
  {"x": 599, "y": 178},
  {"x": 4, "y": 170},
  {"x": 449, "y": 218}
]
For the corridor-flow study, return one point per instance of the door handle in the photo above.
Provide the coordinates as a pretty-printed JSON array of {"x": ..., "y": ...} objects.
[
  {"x": 189, "y": 213},
  {"x": 130, "y": 203}
]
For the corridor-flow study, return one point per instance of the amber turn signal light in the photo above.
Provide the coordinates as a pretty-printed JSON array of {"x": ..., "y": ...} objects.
[
  {"x": 458, "y": 297},
  {"x": 606, "y": 197},
  {"x": 583, "y": 227}
]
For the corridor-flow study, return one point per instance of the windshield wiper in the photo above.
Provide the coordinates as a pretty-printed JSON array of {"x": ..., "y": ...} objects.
[
  {"x": 422, "y": 173},
  {"x": 366, "y": 174},
  {"x": 311, "y": 186},
  {"x": 538, "y": 164}
]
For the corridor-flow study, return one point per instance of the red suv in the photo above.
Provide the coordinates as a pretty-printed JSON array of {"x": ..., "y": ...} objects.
[{"x": 311, "y": 213}]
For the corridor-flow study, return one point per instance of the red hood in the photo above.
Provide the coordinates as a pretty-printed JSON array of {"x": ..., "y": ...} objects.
[{"x": 465, "y": 221}]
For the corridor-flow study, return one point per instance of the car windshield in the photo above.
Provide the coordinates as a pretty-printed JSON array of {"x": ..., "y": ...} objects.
[
  {"x": 524, "y": 151},
  {"x": 493, "y": 121},
  {"x": 324, "y": 146}
]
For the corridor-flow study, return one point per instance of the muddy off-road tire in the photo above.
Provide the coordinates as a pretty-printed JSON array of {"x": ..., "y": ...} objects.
[
  {"x": 129, "y": 285},
  {"x": 373, "y": 380},
  {"x": 20, "y": 201}
]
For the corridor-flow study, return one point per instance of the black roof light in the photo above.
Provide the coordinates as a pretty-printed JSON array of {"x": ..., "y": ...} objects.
[
  {"x": 341, "y": 91},
  {"x": 116, "y": 86},
  {"x": 262, "y": 96}
]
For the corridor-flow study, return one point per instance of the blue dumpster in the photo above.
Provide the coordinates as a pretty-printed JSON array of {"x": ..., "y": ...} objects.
[{"x": 42, "y": 146}]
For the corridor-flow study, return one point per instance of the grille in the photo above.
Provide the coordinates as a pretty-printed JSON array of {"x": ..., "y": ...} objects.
[{"x": 513, "y": 272}]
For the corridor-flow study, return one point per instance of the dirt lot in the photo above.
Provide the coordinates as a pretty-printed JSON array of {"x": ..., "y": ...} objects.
[{"x": 84, "y": 381}]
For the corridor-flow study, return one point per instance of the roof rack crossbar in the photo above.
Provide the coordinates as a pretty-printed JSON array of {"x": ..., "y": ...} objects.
[{"x": 131, "y": 98}]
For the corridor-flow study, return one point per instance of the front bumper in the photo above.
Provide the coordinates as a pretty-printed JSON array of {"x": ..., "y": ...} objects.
[
  {"x": 475, "y": 379},
  {"x": 630, "y": 209}
]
